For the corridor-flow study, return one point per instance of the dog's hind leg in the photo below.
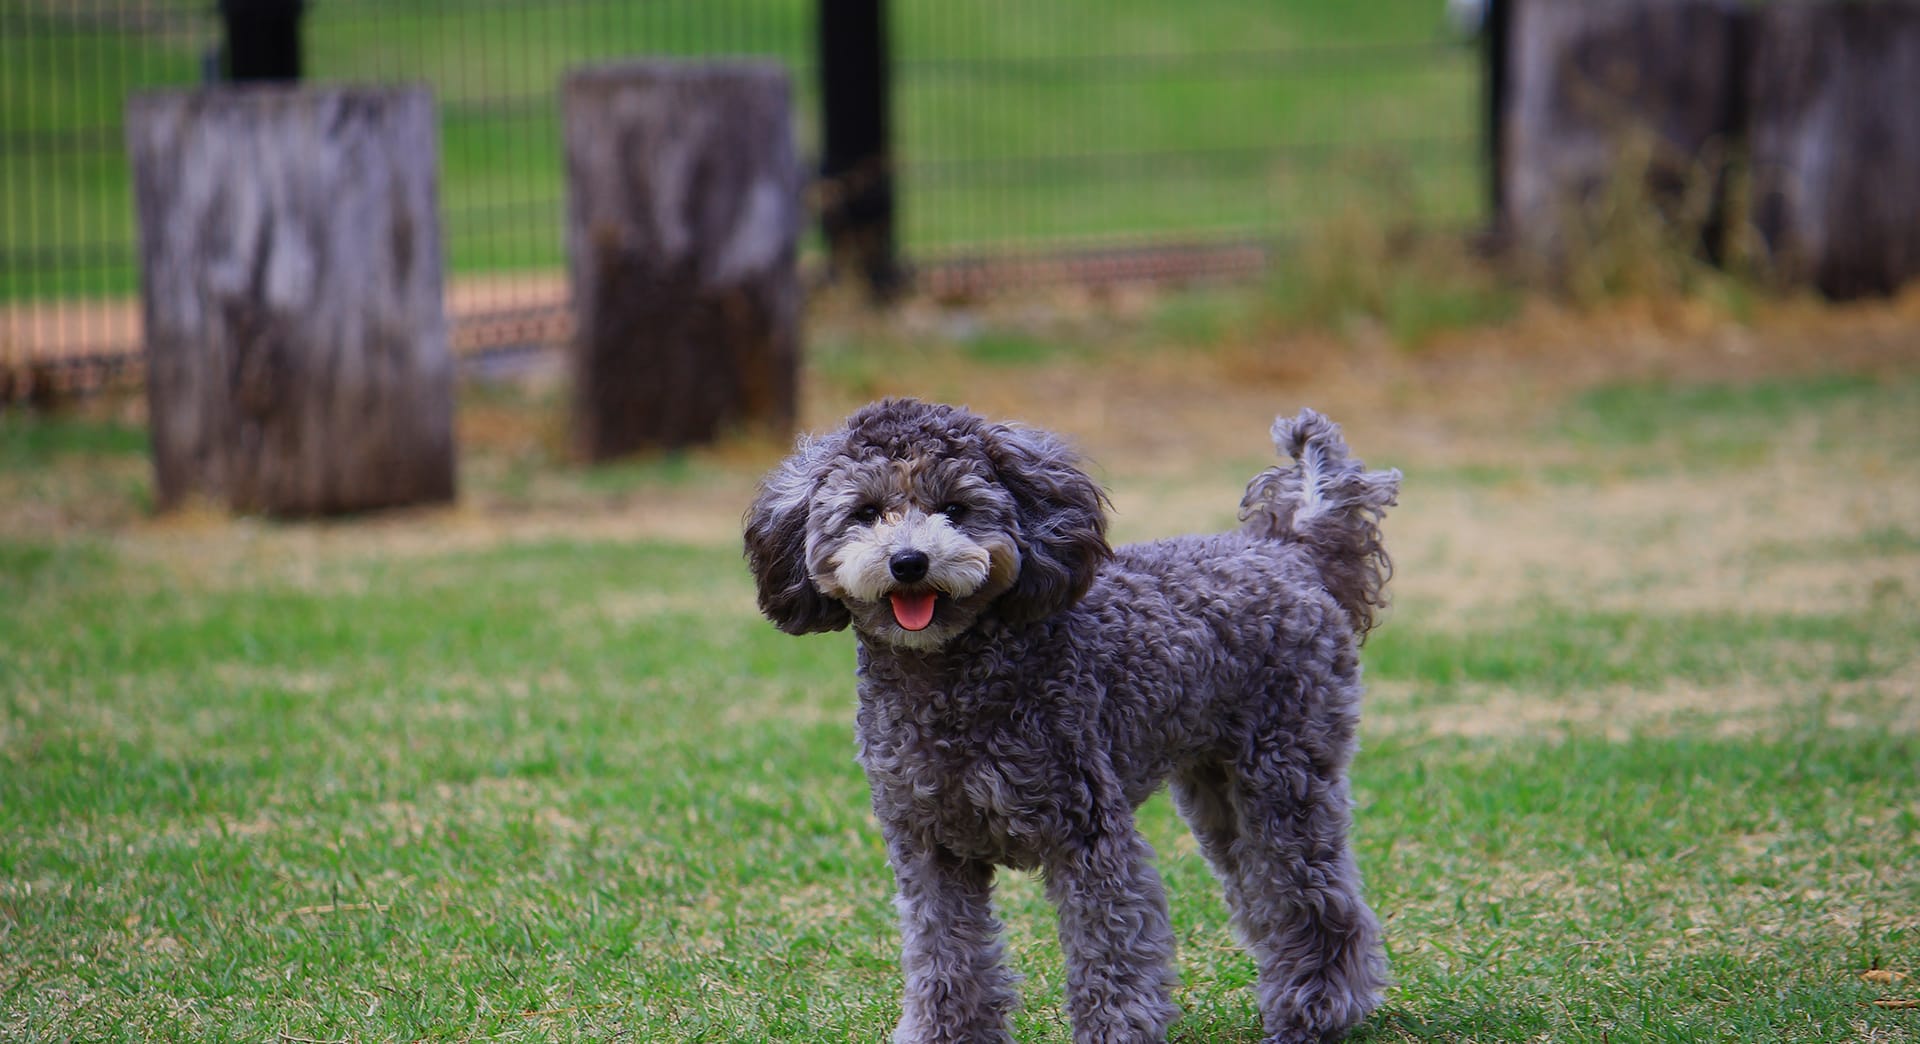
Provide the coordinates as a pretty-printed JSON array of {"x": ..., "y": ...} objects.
[
  {"x": 958, "y": 989},
  {"x": 1117, "y": 937},
  {"x": 1204, "y": 797},
  {"x": 1312, "y": 935}
]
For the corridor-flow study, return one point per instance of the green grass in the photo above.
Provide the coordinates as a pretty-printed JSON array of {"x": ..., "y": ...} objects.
[
  {"x": 1205, "y": 144},
  {"x": 1382, "y": 266},
  {"x": 80, "y": 469},
  {"x": 1557, "y": 651},
  {"x": 1640, "y": 414},
  {"x": 1654, "y": 889},
  {"x": 431, "y": 798},
  {"x": 1665, "y": 427},
  {"x": 353, "y": 781},
  {"x": 38, "y": 441}
]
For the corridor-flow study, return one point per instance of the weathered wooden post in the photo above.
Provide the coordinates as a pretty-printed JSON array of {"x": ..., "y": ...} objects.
[
  {"x": 290, "y": 274},
  {"x": 1835, "y": 114},
  {"x": 683, "y": 222},
  {"x": 1611, "y": 95}
]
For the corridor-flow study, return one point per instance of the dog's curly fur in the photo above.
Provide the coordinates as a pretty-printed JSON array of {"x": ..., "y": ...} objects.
[{"x": 1057, "y": 683}]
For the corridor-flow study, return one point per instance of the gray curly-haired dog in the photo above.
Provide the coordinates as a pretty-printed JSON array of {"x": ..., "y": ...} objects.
[{"x": 1024, "y": 687}]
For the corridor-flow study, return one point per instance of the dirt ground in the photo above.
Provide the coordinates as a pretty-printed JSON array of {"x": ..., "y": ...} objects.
[
  {"x": 1502, "y": 514},
  {"x": 1175, "y": 430},
  {"x": 1166, "y": 429}
]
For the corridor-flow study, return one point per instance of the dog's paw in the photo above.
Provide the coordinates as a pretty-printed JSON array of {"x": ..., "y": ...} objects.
[
  {"x": 1303, "y": 1035},
  {"x": 920, "y": 1031}
]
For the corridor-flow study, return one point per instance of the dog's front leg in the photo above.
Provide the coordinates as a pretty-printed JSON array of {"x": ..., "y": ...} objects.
[
  {"x": 958, "y": 990},
  {"x": 1118, "y": 942}
]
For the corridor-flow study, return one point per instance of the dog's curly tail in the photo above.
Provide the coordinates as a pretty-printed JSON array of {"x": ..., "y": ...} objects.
[{"x": 1328, "y": 502}]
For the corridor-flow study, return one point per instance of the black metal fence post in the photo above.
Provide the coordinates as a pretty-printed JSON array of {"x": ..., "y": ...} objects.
[
  {"x": 1494, "y": 34},
  {"x": 263, "y": 38},
  {"x": 856, "y": 165}
]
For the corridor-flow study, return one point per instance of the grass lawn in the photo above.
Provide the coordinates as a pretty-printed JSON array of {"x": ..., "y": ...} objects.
[
  {"x": 1639, "y": 763},
  {"x": 1015, "y": 123}
]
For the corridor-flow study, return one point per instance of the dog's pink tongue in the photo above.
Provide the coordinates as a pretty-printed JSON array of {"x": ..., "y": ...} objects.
[{"x": 913, "y": 610}]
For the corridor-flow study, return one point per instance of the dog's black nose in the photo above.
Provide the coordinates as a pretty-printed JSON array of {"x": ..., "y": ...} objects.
[{"x": 908, "y": 566}]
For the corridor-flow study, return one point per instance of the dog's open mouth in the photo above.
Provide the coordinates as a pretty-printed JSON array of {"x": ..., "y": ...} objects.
[{"x": 913, "y": 610}]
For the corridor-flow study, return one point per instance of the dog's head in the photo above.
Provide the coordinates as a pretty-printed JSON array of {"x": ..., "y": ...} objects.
[{"x": 916, "y": 520}]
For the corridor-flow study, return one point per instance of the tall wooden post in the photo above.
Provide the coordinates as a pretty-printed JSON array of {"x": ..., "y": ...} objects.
[
  {"x": 1602, "y": 91},
  {"x": 1835, "y": 116},
  {"x": 683, "y": 218},
  {"x": 290, "y": 275}
]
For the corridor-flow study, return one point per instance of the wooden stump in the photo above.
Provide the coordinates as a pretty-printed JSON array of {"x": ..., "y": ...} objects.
[
  {"x": 290, "y": 274},
  {"x": 1835, "y": 110},
  {"x": 683, "y": 220},
  {"x": 1611, "y": 99}
]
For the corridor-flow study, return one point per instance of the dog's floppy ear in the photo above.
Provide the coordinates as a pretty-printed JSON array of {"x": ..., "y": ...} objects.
[
  {"x": 776, "y": 543},
  {"x": 1062, "y": 516}
]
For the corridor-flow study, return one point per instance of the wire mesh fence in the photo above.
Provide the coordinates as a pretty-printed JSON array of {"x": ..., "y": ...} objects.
[{"x": 1118, "y": 137}]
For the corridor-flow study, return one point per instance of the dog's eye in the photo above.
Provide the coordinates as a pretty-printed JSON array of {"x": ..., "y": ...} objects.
[
  {"x": 954, "y": 511},
  {"x": 865, "y": 515}
]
